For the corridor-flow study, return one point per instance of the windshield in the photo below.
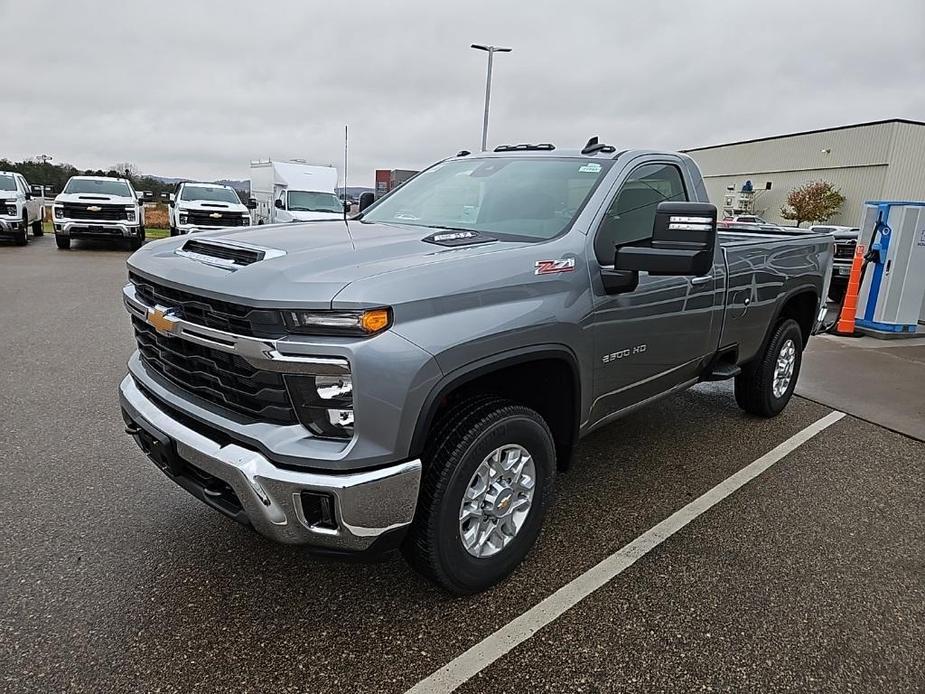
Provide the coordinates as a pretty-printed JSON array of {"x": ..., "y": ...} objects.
[
  {"x": 7, "y": 183},
  {"x": 97, "y": 185},
  {"x": 529, "y": 198},
  {"x": 215, "y": 193},
  {"x": 302, "y": 201}
]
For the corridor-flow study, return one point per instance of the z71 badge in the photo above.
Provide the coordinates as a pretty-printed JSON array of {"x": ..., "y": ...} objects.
[{"x": 551, "y": 267}]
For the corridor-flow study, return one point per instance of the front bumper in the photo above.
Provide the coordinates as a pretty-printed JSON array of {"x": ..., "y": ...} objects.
[
  {"x": 367, "y": 505},
  {"x": 92, "y": 229},
  {"x": 10, "y": 226}
]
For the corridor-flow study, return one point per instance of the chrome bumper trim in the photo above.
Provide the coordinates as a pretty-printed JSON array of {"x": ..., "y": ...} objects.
[
  {"x": 124, "y": 228},
  {"x": 367, "y": 504},
  {"x": 263, "y": 354}
]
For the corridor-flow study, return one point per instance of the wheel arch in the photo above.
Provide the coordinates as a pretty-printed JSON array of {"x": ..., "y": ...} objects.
[{"x": 508, "y": 374}]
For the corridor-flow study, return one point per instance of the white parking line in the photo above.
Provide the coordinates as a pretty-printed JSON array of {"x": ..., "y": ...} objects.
[{"x": 487, "y": 651}]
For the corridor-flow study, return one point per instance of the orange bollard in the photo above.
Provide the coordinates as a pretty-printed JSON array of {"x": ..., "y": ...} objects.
[{"x": 849, "y": 306}]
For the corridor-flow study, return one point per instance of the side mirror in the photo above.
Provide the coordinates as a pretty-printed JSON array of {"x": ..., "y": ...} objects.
[
  {"x": 251, "y": 204},
  {"x": 278, "y": 204},
  {"x": 366, "y": 199},
  {"x": 683, "y": 242},
  {"x": 347, "y": 206},
  {"x": 28, "y": 195}
]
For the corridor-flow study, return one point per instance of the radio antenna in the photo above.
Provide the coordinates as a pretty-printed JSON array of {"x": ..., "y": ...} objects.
[{"x": 345, "y": 172}]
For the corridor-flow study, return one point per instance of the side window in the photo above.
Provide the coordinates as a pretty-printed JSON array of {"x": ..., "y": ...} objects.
[
  {"x": 631, "y": 214},
  {"x": 23, "y": 186}
]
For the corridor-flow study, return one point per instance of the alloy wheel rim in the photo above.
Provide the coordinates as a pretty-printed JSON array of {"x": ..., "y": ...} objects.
[
  {"x": 783, "y": 369},
  {"x": 497, "y": 500}
]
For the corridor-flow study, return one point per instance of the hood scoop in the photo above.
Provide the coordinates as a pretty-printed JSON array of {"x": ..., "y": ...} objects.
[
  {"x": 213, "y": 204},
  {"x": 230, "y": 255},
  {"x": 93, "y": 197},
  {"x": 459, "y": 237}
]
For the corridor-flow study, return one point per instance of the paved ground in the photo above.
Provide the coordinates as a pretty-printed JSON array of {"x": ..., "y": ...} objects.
[
  {"x": 881, "y": 381},
  {"x": 812, "y": 577}
]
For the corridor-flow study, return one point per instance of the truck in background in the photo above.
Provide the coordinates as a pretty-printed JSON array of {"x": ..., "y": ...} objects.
[
  {"x": 203, "y": 206},
  {"x": 294, "y": 191},
  {"x": 20, "y": 208},
  {"x": 99, "y": 207}
]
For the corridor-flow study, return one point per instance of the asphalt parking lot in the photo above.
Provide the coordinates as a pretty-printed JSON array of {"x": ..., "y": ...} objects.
[{"x": 811, "y": 577}]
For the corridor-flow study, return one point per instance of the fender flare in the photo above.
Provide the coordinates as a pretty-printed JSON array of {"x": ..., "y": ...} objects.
[
  {"x": 464, "y": 374},
  {"x": 782, "y": 301}
]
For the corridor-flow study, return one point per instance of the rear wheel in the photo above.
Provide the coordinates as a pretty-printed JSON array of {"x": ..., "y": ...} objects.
[
  {"x": 489, "y": 469},
  {"x": 766, "y": 385},
  {"x": 63, "y": 242},
  {"x": 37, "y": 228}
]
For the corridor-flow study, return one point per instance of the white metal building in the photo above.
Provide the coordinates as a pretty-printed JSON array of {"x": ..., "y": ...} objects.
[{"x": 881, "y": 160}]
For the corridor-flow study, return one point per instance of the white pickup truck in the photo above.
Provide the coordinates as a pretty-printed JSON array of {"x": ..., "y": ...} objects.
[
  {"x": 20, "y": 208},
  {"x": 99, "y": 207},
  {"x": 205, "y": 206}
]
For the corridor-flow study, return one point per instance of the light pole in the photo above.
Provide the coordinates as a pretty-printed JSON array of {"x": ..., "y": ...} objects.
[{"x": 491, "y": 50}]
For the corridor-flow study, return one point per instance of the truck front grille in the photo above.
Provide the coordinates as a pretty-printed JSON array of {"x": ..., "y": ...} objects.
[
  {"x": 204, "y": 218},
  {"x": 218, "y": 377},
  {"x": 212, "y": 313},
  {"x": 845, "y": 249},
  {"x": 82, "y": 211}
]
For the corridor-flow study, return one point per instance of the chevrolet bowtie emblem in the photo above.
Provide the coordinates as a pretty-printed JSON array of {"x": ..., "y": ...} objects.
[
  {"x": 162, "y": 320},
  {"x": 216, "y": 215},
  {"x": 94, "y": 208}
]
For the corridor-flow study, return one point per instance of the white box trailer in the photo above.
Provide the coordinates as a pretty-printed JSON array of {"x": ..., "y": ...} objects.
[{"x": 294, "y": 191}]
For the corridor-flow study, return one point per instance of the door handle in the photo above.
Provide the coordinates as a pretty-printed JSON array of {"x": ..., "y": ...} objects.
[{"x": 701, "y": 280}]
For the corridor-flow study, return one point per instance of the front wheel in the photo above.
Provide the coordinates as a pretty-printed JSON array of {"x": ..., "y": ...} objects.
[
  {"x": 136, "y": 242},
  {"x": 488, "y": 476},
  {"x": 63, "y": 242},
  {"x": 766, "y": 385}
]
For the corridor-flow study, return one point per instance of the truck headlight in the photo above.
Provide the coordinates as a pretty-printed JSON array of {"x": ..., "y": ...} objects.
[
  {"x": 324, "y": 404},
  {"x": 130, "y": 214},
  {"x": 182, "y": 218},
  {"x": 360, "y": 323},
  {"x": 59, "y": 213},
  {"x": 246, "y": 220},
  {"x": 11, "y": 210}
]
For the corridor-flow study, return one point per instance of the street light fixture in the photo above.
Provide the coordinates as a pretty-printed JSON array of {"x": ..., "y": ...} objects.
[{"x": 491, "y": 50}]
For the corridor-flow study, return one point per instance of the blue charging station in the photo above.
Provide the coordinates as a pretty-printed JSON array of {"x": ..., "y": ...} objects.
[{"x": 893, "y": 289}]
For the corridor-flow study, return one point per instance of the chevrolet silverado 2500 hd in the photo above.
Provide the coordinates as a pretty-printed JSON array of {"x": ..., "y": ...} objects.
[
  {"x": 99, "y": 207},
  {"x": 205, "y": 206},
  {"x": 416, "y": 376},
  {"x": 20, "y": 208}
]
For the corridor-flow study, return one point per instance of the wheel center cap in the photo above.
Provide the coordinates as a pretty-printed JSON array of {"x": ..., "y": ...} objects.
[{"x": 503, "y": 501}]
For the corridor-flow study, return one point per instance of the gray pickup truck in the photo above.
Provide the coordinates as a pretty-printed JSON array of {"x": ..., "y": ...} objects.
[{"x": 415, "y": 377}]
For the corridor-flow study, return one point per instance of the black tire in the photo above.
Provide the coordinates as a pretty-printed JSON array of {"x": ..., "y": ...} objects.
[
  {"x": 459, "y": 443},
  {"x": 63, "y": 242},
  {"x": 174, "y": 231},
  {"x": 37, "y": 229},
  {"x": 137, "y": 242},
  {"x": 754, "y": 387},
  {"x": 21, "y": 237},
  {"x": 837, "y": 292}
]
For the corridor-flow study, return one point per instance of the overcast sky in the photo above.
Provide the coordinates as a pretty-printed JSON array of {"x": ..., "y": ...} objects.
[{"x": 199, "y": 88}]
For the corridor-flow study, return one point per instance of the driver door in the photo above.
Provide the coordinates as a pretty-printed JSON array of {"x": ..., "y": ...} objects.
[{"x": 658, "y": 336}]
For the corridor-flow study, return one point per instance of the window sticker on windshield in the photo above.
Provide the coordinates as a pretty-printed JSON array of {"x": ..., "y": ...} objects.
[{"x": 590, "y": 168}]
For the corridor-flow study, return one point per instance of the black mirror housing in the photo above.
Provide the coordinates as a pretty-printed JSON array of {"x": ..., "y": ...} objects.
[
  {"x": 278, "y": 204},
  {"x": 366, "y": 199},
  {"x": 251, "y": 204},
  {"x": 683, "y": 242}
]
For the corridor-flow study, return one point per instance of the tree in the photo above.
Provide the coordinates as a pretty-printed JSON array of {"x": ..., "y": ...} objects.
[{"x": 815, "y": 201}]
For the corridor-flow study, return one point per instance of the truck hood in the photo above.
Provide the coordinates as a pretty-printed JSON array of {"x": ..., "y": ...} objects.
[
  {"x": 302, "y": 216},
  {"x": 306, "y": 265},
  {"x": 8, "y": 195},
  {"x": 93, "y": 198},
  {"x": 210, "y": 206}
]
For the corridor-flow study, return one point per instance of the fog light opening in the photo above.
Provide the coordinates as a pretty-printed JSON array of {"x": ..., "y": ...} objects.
[{"x": 318, "y": 509}]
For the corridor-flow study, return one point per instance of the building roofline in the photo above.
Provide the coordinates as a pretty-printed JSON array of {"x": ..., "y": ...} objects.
[{"x": 808, "y": 132}]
